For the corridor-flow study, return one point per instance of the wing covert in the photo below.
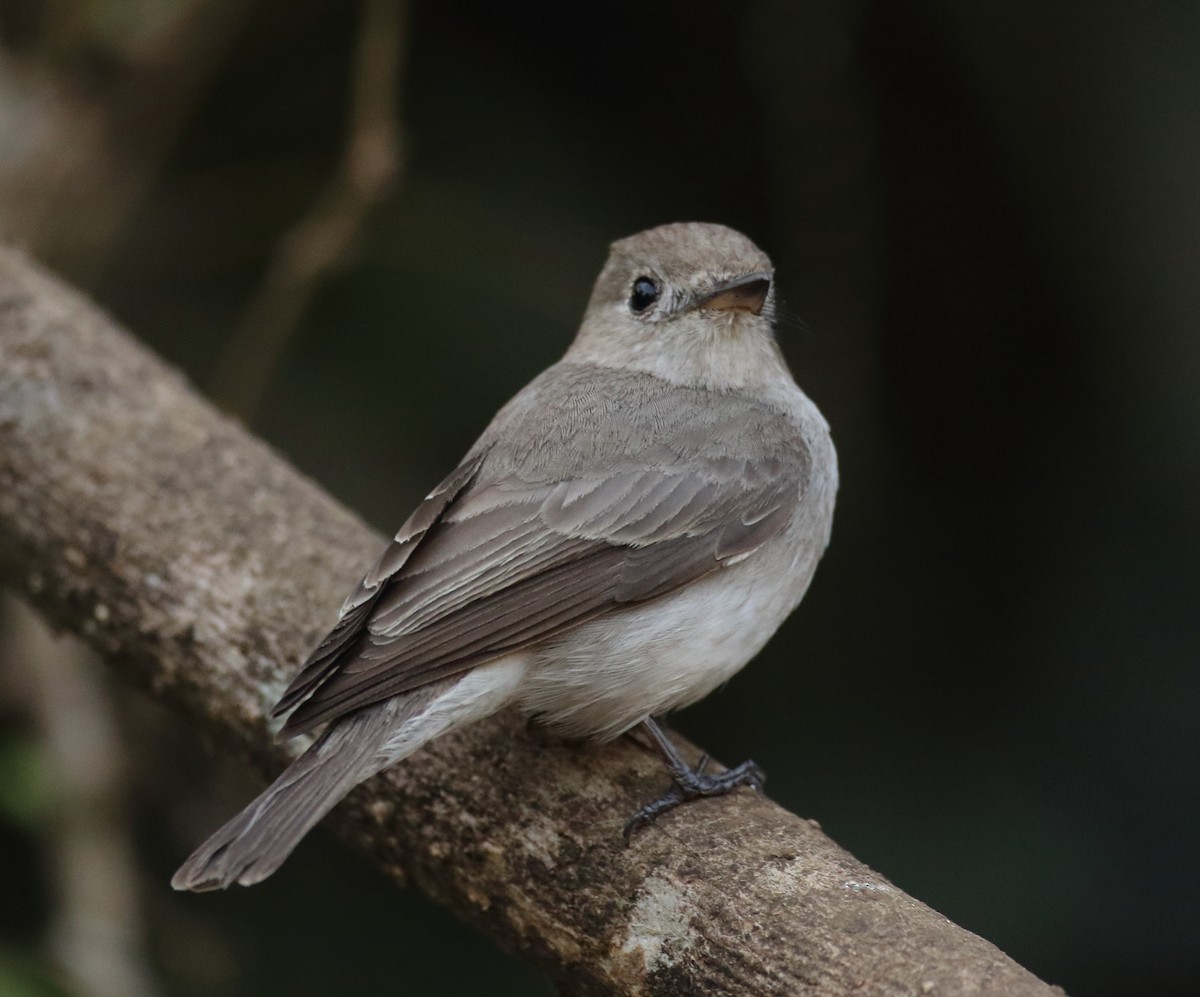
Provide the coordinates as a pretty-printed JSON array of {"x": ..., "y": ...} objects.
[{"x": 507, "y": 566}]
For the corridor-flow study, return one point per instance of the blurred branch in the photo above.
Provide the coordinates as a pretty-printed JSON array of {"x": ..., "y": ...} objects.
[
  {"x": 88, "y": 145},
  {"x": 324, "y": 237},
  {"x": 97, "y": 933},
  {"x": 201, "y": 565}
]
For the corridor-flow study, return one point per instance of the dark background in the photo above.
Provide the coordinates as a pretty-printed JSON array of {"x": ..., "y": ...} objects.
[{"x": 985, "y": 221}]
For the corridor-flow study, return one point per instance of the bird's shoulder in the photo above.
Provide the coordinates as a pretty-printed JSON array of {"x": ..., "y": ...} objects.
[{"x": 583, "y": 420}]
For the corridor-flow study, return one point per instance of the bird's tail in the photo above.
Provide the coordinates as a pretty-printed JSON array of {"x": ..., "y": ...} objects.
[{"x": 255, "y": 843}]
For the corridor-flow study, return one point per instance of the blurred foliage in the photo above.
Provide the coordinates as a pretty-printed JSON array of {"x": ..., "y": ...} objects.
[
  {"x": 22, "y": 976},
  {"x": 26, "y": 788},
  {"x": 984, "y": 219}
]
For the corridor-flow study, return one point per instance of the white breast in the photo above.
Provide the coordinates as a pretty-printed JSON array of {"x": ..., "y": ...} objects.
[{"x": 604, "y": 677}]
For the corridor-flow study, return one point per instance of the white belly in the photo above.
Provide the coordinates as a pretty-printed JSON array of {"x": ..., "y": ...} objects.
[{"x": 604, "y": 677}]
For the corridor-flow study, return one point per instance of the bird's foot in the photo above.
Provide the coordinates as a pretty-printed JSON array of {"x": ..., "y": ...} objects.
[{"x": 689, "y": 783}]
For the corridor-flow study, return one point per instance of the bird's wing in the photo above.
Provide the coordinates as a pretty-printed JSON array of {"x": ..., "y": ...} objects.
[
  {"x": 358, "y": 605},
  {"x": 511, "y": 551},
  {"x": 509, "y": 565}
]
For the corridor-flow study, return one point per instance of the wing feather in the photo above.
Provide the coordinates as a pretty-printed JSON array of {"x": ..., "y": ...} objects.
[
  {"x": 356, "y": 610},
  {"x": 508, "y": 552}
]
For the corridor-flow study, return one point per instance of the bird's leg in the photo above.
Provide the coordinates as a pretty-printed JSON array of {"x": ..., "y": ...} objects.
[{"x": 689, "y": 783}]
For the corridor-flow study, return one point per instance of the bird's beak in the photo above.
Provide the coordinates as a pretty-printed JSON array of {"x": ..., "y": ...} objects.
[{"x": 746, "y": 294}]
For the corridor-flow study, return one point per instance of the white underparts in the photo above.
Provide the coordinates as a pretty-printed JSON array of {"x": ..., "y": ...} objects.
[{"x": 478, "y": 694}]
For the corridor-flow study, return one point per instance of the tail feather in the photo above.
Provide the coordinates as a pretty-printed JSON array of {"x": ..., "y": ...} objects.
[
  {"x": 255, "y": 843},
  {"x": 351, "y": 749},
  {"x": 252, "y": 845}
]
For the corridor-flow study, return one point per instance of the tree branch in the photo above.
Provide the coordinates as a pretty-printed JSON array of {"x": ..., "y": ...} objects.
[
  {"x": 324, "y": 237},
  {"x": 203, "y": 566}
]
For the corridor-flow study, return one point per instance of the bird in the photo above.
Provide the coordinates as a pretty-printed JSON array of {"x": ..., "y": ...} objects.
[{"x": 626, "y": 534}]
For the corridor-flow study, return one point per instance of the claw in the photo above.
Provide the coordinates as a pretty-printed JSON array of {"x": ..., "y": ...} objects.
[{"x": 689, "y": 783}]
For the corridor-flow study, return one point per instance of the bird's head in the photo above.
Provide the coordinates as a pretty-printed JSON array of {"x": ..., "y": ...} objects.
[{"x": 692, "y": 302}]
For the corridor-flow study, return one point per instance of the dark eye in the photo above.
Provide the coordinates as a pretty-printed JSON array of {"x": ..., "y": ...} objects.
[{"x": 645, "y": 293}]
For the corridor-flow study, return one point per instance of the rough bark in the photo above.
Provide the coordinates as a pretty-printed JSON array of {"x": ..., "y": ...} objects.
[{"x": 203, "y": 566}]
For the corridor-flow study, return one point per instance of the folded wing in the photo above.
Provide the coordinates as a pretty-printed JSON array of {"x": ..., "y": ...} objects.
[{"x": 493, "y": 562}]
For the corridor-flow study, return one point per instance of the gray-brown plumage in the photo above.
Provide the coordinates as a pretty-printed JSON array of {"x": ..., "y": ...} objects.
[{"x": 626, "y": 534}]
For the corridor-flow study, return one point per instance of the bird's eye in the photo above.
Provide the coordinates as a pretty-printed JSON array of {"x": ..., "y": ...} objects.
[{"x": 645, "y": 292}]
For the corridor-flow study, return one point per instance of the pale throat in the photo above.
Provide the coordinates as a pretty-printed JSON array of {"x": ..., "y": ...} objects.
[{"x": 720, "y": 354}]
